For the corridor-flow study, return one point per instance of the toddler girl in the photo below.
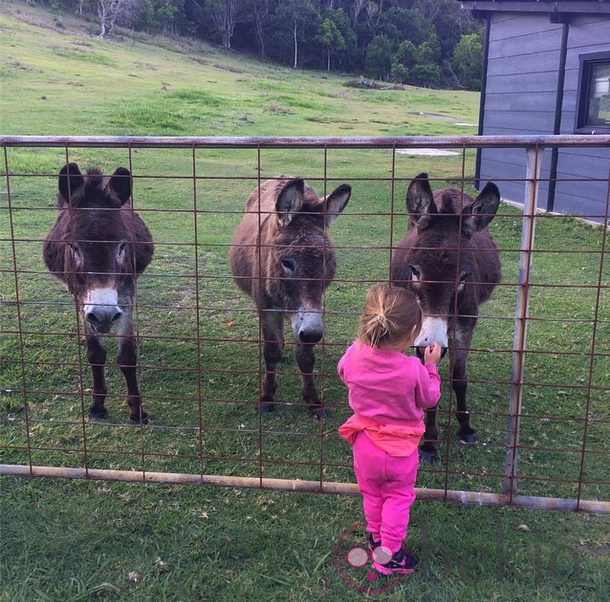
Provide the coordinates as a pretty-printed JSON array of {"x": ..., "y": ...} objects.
[{"x": 388, "y": 392}]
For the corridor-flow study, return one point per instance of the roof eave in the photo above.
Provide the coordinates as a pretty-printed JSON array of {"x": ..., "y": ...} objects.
[{"x": 541, "y": 6}]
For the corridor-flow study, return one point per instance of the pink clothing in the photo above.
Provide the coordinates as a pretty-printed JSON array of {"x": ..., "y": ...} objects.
[
  {"x": 389, "y": 388},
  {"x": 387, "y": 484},
  {"x": 388, "y": 392},
  {"x": 395, "y": 439}
]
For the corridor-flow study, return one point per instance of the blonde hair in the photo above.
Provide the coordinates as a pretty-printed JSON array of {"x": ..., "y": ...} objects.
[{"x": 390, "y": 315}]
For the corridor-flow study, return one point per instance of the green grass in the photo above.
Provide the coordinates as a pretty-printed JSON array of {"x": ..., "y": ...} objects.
[
  {"x": 72, "y": 540},
  {"x": 111, "y": 541}
]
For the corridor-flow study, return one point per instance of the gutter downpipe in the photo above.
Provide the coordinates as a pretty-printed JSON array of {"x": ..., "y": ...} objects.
[
  {"x": 477, "y": 173},
  {"x": 558, "y": 18}
]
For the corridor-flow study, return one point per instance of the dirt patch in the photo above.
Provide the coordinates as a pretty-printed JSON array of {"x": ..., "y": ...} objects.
[
  {"x": 38, "y": 22},
  {"x": 148, "y": 66},
  {"x": 278, "y": 108},
  {"x": 369, "y": 84},
  {"x": 228, "y": 68},
  {"x": 19, "y": 65},
  {"x": 201, "y": 61}
]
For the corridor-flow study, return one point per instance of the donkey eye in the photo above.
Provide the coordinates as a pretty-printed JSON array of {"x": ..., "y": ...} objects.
[
  {"x": 121, "y": 251},
  {"x": 415, "y": 274},
  {"x": 76, "y": 253},
  {"x": 289, "y": 265},
  {"x": 464, "y": 275}
]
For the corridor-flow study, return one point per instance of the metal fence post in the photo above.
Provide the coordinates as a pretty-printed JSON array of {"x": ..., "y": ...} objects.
[{"x": 534, "y": 159}]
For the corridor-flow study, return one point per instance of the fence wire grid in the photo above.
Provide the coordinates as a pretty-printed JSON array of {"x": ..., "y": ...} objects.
[{"x": 539, "y": 362}]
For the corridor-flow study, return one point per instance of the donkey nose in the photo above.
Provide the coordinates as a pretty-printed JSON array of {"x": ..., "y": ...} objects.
[
  {"x": 419, "y": 350},
  {"x": 307, "y": 326},
  {"x": 101, "y": 318},
  {"x": 310, "y": 336}
]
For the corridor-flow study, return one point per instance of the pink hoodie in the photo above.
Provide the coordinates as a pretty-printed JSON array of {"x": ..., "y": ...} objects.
[{"x": 388, "y": 392}]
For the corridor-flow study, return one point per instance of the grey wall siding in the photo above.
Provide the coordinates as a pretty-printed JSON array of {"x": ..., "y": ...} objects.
[
  {"x": 582, "y": 174},
  {"x": 522, "y": 74},
  {"x": 582, "y": 185},
  {"x": 520, "y": 97}
]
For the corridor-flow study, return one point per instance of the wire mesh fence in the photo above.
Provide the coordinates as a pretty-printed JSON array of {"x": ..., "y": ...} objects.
[{"x": 538, "y": 364}]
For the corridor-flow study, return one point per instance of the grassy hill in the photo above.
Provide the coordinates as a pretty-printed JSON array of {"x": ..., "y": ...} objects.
[{"x": 70, "y": 82}]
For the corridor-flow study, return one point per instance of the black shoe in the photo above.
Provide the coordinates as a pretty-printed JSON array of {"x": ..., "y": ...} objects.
[
  {"x": 402, "y": 563},
  {"x": 372, "y": 544}
]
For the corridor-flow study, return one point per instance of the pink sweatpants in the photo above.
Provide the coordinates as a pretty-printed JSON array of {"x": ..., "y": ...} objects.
[{"x": 387, "y": 484}]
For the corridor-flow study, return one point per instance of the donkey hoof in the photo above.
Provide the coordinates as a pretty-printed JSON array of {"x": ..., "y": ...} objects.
[
  {"x": 97, "y": 414},
  {"x": 319, "y": 413},
  {"x": 468, "y": 438},
  {"x": 139, "y": 419},
  {"x": 428, "y": 453},
  {"x": 266, "y": 407}
]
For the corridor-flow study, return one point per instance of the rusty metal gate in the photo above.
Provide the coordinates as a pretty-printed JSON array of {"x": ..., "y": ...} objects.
[{"x": 540, "y": 360}]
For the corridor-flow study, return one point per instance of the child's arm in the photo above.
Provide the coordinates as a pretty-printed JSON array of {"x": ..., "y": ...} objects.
[{"x": 428, "y": 388}]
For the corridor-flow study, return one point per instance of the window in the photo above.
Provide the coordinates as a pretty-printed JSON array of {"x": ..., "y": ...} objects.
[{"x": 593, "y": 111}]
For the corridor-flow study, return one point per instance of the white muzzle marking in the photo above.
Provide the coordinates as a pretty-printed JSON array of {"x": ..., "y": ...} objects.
[
  {"x": 105, "y": 299},
  {"x": 434, "y": 330}
]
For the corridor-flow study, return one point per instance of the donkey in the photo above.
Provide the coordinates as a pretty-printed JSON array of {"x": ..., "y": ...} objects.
[
  {"x": 98, "y": 246},
  {"x": 450, "y": 261},
  {"x": 282, "y": 257}
]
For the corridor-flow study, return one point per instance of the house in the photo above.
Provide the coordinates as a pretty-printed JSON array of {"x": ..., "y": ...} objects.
[{"x": 547, "y": 71}]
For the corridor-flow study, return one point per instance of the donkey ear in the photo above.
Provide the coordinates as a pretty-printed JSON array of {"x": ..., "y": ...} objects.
[
  {"x": 336, "y": 202},
  {"x": 120, "y": 184},
  {"x": 290, "y": 200},
  {"x": 479, "y": 214},
  {"x": 71, "y": 183},
  {"x": 420, "y": 201}
]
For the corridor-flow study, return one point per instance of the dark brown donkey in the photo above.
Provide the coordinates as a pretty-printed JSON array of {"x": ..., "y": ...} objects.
[
  {"x": 98, "y": 247},
  {"x": 449, "y": 259},
  {"x": 283, "y": 258}
]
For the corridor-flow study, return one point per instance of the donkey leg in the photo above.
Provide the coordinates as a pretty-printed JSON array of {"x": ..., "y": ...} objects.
[
  {"x": 127, "y": 359},
  {"x": 466, "y": 433},
  {"x": 305, "y": 356},
  {"x": 272, "y": 324},
  {"x": 96, "y": 354},
  {"x": 427, "y": 449}
]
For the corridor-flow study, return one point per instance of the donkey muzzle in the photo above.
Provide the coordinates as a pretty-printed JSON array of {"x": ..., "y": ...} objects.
[
  {"x": 434, "y": 330},
  {"x": 101, "y": 309},
  {"x": 307, "y": 326},
  {"x": 420, "y": 352}
]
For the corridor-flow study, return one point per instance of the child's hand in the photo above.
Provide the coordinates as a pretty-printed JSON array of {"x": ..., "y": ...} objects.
[{"x": 432, "y": 354}]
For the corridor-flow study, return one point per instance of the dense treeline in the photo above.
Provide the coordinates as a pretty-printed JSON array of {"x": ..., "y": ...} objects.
[{"x": 423, "y": 42}]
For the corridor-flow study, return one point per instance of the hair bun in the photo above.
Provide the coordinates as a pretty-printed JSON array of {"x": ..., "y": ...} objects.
[{"x": 380, "y": 319}]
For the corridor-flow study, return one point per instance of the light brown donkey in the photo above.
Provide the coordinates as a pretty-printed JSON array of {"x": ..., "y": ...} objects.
[{"x": 282, "y": 257}]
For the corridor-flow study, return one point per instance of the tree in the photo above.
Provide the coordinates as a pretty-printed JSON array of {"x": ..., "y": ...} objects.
[
  {"x": 407, "y": 54},
  {"x": 378, "y": 59},
  {"x": 224, "y": 15},
  {"x": 467, "y": 61},
  {"x": 261, "y": 10},
  {"x": 357, "y": 6},
  {"x": 296, "y": 14},
  {"x": 399, "y": 72},
  {"x": 331, "y": 38},
  {"x": 109, "y": 11}
]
